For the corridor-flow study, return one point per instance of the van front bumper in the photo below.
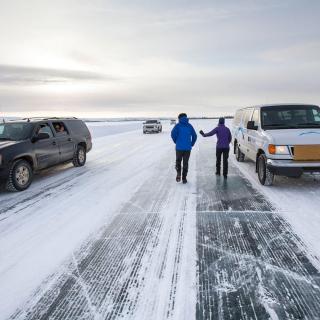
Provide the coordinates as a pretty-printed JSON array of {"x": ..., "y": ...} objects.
[{"x": 292, "y": 168}]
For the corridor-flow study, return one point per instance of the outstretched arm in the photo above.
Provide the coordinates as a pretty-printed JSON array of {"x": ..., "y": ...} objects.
[{"x": 209, "y": 134}]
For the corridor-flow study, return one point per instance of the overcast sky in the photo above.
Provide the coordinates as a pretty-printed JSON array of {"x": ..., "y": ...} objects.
[{"x": 156, "y": 57}]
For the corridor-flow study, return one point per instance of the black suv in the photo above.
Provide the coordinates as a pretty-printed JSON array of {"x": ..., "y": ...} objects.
[{"x": 29, "y": 145}]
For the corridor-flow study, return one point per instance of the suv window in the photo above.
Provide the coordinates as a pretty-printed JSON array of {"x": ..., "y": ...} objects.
[
  {"x": 15, "y": 131},
  {"x": 151, "y": 121},
  {"x": 45, "y": 128},
  {"x": 60, "y": 127}
]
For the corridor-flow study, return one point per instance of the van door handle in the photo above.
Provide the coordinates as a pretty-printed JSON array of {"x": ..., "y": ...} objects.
[
  {"x": 54, "y": 143},
  {"x": 69, "y": 139}
]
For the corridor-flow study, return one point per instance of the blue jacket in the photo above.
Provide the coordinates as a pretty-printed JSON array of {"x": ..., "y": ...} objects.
[
  {"x": 183, "y": 135},
  {"x": 223, "y": 134}
]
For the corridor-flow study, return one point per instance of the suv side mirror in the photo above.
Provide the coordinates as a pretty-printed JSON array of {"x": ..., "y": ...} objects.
[
  {"x": 251, "y": 126},
  {"x": 40, "y": 136}
]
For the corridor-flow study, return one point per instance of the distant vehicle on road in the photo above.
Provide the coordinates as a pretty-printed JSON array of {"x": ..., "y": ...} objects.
[
  {"x": 173, "y": 121},
  {"x": 281, "y": 139},
  {"x": 29, "y": 145},
  {"x": 151, "y": 126}
]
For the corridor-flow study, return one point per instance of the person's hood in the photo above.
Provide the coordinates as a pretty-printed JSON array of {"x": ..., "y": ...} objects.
[
  {"x": 184, "y": 120},
  {"x": 221, "y": 121}
]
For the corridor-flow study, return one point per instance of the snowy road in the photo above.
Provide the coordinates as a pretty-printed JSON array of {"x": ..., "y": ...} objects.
[{"x": 120, "y": 239}]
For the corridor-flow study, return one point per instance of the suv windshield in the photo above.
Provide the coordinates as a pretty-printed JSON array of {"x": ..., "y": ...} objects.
[
  {"x": 151, "y": 121},
  {"x": 290, "y": 117},
  {"x": 15, "y": 131}
]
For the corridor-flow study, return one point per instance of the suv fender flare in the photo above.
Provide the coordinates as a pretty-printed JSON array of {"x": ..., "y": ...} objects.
[{"x": 30, "y": 159}]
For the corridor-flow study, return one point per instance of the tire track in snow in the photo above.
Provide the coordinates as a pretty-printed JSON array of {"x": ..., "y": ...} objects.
[
  {"x": 71, "y": 176},
  {"x": 105, "y": 278},
  {"x": 250, "y": 263}
]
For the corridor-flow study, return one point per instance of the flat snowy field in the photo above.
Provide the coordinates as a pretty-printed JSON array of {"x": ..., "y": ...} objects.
[{"x": 119, "y": 238}]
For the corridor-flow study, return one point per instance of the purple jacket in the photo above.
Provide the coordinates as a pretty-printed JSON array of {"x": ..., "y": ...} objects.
[{"x": 223, "y": 134}]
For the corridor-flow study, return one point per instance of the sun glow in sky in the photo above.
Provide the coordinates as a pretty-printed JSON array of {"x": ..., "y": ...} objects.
[{"x": 156, "y": 58}]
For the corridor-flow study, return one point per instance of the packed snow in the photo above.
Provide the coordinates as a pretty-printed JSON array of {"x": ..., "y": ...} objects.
[{"x": 157, "y": 234}]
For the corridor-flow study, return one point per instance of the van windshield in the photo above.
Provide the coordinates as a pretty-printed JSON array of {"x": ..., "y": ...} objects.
[
  {"x": 290, "y": 117},
  {"x": 15, "y": 131}
]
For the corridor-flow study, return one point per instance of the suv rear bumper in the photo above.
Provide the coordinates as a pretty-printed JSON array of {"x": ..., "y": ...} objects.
[
  {"x": 151, "y": 130},
  {"x": 292, "y": 168}
]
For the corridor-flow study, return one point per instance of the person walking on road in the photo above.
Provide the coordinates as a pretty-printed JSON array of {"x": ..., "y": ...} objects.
[
  {"x": 184, "y": 136},
  {"x": 224, "y": 138}
]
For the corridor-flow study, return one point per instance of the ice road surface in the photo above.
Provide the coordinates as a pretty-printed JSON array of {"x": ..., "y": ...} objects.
[{"x": 120, "y": 239}]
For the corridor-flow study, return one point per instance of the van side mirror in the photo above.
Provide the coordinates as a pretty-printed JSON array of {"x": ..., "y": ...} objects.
[
  {"x": 251, "y": 126},
  {"x": 40, "y": 136}
]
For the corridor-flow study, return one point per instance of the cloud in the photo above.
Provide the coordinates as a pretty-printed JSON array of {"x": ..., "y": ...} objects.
[{"x": 21, "y": 75}]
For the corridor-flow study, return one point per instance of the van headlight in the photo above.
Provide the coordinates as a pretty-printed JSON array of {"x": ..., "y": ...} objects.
[{"x": 281, "y": 150}]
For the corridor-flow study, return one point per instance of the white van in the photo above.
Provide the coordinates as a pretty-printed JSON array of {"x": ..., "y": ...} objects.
[{"x": 280, "y": 139}]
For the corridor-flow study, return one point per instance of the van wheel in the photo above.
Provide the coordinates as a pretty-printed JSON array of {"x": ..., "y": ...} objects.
[
  {"x": 20, "y": 176},
  {"x": 265, "y": 176},
  {"x": 239, "y": 154},
  {"x": 79, "y": 157}
]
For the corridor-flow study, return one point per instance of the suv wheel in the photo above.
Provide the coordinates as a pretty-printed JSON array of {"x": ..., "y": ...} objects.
[
  {"x": 80, "y": 157},
  {"x": 265, "y": 176},
  {"x": 239, "y": 154},
  {"x": 20, "y": 176}
]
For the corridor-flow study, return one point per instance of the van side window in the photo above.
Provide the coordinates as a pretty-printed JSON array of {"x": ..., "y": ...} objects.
[
  {"x": 255, "y": 117},
  {"x": 237, "y": 117},
  {"x": 247, "y": 117}
]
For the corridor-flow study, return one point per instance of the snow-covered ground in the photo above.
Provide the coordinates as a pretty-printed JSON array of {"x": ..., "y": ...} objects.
[{"x": 119, "y": 238}]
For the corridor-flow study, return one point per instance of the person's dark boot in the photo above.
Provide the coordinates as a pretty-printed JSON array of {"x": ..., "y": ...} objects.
[
  {"x": 184, "y": 180},
  {"x": 225, "y": 176},
  {"x": 178, "y": 178},
  {"x": 217, "y": 173}
]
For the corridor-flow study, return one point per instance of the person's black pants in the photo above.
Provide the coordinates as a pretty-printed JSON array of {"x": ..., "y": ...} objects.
[
  {"x": 225, "y": 153},
  {"x": 182, "y": 156}
]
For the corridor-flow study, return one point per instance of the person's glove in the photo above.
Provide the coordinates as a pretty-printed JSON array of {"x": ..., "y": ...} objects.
[{"x": 201, "y": 132}]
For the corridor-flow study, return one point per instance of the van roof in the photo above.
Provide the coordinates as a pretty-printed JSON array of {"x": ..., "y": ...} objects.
[{"x": 278, "y": 105}]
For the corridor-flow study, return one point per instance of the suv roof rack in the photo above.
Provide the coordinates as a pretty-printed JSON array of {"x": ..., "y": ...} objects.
[{"x": 49, "y": 118}]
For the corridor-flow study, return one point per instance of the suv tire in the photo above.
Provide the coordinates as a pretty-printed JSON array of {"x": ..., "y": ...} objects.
[
  {"x": 80, "y": 156},
  {"x": 265, "y": 176},
  {"x": 239, "y": 155},
  {"x": 20, "y": 176}
]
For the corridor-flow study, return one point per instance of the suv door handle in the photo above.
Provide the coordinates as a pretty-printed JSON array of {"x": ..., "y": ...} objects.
[
  {"x": 69, "y": 139},
  {"x": 54, "y": 143}
]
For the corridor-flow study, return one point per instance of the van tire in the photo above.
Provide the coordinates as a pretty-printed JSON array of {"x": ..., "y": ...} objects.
[
  {"x": 25, "y": 169},
  {"x": 80, "y": 156},
  {"x": 239, "y": 155},
  {"x": 265, "y": 176}
]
